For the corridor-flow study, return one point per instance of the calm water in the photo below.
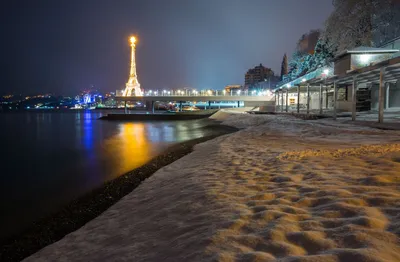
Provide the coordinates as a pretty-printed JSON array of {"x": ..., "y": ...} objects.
[{"x": 49, "y": 158}]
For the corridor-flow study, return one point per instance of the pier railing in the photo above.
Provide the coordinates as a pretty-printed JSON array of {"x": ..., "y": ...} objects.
[{"x": 195, "y": 93}]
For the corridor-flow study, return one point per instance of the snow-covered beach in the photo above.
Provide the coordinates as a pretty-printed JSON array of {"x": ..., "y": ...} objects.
[{"x": 279, "y": 189}]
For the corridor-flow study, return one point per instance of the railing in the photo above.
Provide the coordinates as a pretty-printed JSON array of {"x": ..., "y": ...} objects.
[{"x": 192, "y": 93}]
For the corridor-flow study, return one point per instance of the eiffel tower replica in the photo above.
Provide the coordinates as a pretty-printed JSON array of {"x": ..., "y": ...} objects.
[{"x": 133, "y": 87}]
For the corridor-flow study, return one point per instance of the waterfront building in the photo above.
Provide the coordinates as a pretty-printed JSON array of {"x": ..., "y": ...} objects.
[
  {"x": 361, "y": 79},
  {"x": 257, "y": 75}
]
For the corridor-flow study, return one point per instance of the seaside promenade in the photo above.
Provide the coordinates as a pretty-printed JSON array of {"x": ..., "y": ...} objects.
[{"x": 280, "y": 189}]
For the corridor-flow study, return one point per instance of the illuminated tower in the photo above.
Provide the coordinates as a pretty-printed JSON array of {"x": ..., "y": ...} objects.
[{"x": 133, "y": 87}]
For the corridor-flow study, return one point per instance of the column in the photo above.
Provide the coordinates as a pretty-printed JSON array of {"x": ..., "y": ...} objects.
[
  {"x": 381, "y": 94},
  {"x": 298, "y": 99},
  {"x": 308, "y": 99},
  {"x": 287, "y": 99},
  {"x": 282, "y": 102},
  {"x": 152, "y": 106},
  {"x": 387, "y": 95},
  {"x": 320, "y": 99},
  {"x": 334, "y": 100},
  {"x": 180, "y": 106},
  {"x": 327, "y": 97},
  {"x": 354, "y": 100},
  {"x": 238, "y": 103},
  {"x": 276, "y": 100},
  {"x": 126, "y": 109}
]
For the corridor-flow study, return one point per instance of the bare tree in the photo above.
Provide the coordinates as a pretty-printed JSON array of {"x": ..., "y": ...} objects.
[{"x": 353, "y": 22}]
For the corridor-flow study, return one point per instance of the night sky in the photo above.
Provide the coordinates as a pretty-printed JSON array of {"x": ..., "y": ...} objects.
[{"x": 62, "y": 46}]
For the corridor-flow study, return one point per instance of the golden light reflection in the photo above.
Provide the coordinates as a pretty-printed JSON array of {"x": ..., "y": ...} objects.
[{"x": 130, "y": 147}]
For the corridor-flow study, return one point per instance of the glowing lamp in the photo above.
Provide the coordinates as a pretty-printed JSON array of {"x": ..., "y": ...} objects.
[
  {"x": 133, "y": 40},
  {"x": 365, "y": 58}
]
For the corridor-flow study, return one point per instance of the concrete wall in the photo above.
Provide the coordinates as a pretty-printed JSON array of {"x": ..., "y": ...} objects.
[
  {"x": 344, "y": 106},
  {"x": 342, "y": 65},
  {"x": 374, "y": 96},
  {"x": 394, "y": 95},
  {"x": 314, "y": 100},
  {"x": 258, "y": 103}
]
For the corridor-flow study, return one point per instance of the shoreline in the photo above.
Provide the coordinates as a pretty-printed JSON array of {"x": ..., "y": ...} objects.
[
  {"x": 280, "y": 188},
  {"x": 77, "y": 213}
]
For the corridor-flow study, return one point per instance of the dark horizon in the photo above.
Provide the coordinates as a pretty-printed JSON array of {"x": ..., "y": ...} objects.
[{"x": 64, "y": 47}]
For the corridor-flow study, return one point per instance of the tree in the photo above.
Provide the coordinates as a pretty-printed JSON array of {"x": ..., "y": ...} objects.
[
  {"x": 296, "y": 64},
  {"x": 303, "y": 63},
  {"x": 307, "y": 41},
  {"x": 322, "y": 55},
  {"x": 284, "y": 67},
  {"x": 353, "y": 23}
]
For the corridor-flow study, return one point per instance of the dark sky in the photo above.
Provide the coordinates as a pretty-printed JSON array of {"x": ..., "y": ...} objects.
[{"x": 63, "y": 46}]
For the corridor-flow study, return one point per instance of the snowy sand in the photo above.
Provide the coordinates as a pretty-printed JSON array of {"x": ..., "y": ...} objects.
[{"x": 282, "y": 189}]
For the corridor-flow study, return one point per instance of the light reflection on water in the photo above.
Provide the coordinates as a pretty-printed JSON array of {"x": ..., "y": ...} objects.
[{"x": 48, "y": 159}]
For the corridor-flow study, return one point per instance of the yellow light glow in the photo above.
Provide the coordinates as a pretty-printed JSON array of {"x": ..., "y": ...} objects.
[
  {"x": 133, "y": 40},
  {"x": 130, "y": 148}
]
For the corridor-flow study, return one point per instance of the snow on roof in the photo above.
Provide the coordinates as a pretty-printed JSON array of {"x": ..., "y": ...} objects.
[{"x": 367, "y": 49}]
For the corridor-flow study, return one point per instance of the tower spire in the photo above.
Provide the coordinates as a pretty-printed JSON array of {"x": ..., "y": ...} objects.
[{"x": 132, "y": 86}]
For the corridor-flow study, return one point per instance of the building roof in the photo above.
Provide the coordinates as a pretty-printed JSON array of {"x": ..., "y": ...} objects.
[
  {"x": 316, "y": 75},
  {"x": 366, "y": 50}
]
